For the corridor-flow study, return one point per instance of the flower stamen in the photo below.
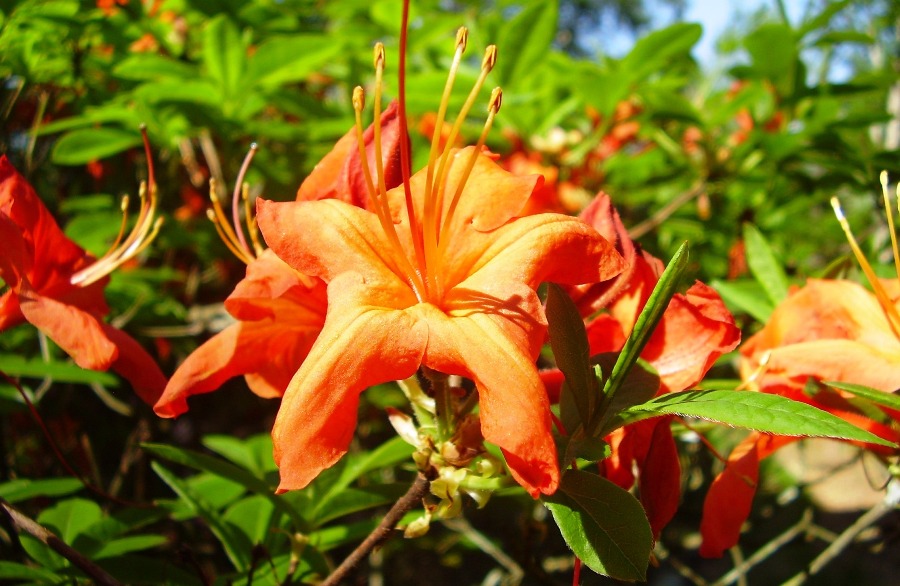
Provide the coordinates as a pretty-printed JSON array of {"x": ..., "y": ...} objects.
[
  {"x": 884, "y": 299},
  {"x": 379, "y": 197},
  {"x": 230, "y": 231},
  {"x": 145, "y": 230}
]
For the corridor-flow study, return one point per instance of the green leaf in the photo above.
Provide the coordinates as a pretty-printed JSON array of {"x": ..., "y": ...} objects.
[
  {"x": 774, "y": 52},
  {"x": 387, "y": 454},
  {"x": 14, "y": 571},
  {"x": 254, "y": 516},
  {"x": 22, "y": 489},
  {"x": 604, "y": 525},
  {"x": 226, "y": 470},
  {"x": 752, "y": 410},
  {"x": 224, "y": 54},
  {"x": 253, "y": 453},
  {"x": 352, "y": 500},
  {"x": 643, "y": 328},
  {"x": 745, "y": 295},
  {"x": 764, "y": 266},
  {"x": 71, "y": 517},
  {"x": 150, "y": 66},
  {"x": 890, "y": 400},
  {"x": 525, "y": 41},
  {"x": 569, "y": 342},
  {"x": 87, "y": 144},
  {"x": 128, "y": 544},
  {"x": 283, "y": 60},
  {"x": 19, "y": 366},
  {"x": 226, "y": 534},
  {"x": 654, "y": 50}
]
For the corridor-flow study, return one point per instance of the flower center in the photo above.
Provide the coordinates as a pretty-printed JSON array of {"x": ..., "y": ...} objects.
[
  {"x": 145, "y": 230},
  {"x": 422, "y": 269},
  {"x": 884, "y": 298}
]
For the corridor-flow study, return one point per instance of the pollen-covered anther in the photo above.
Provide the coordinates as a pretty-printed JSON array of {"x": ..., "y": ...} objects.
[
  {"x": 490, "y": 58},
  {"x": 462, "y": 38},
  {"x": 378, "y": 56}
]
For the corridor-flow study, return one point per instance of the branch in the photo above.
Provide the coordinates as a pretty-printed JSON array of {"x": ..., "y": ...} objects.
[
  {"x": 872, "y": 516},
  {"x": 412, "y": 497},
  {"x": 23, "y": 523}
]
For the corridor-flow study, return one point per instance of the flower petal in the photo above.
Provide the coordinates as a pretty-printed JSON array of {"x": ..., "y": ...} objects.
[
  {"x": 515, "y": 411},
  {"x": 329, "y": 237},
  {"x": 363, "y": 343},
  {"x": 78, "y": 333},
  {"x": 136, "y": 365}
]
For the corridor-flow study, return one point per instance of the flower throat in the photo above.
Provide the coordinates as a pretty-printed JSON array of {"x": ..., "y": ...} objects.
[{"x": 422, "y": 272}]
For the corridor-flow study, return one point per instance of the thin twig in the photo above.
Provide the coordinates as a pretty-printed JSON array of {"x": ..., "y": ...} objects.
[
  {"x": 767, "y": 550},
  {"x": 667, "y": 210},
  {"x": 412, "y": 497},
  {"x": 869, "y": 518},
  {"x": 462, "y": 526},
  {"x": 23, "y": 523}
]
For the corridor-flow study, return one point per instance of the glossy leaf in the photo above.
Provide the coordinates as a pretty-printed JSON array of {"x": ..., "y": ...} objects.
[
  {"x": 757, "y": 411},
  {"x": 22, "y": 489},
  {"x": 569, "y": 342},
  {"x": 603, "y": 524},
  {"x": 525, "y": 40}
]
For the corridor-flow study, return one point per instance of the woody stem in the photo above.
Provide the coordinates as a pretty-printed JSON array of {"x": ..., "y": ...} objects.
[{"x": 413, "y": 496}]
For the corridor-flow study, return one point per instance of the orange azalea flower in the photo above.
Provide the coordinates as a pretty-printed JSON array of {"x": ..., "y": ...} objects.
[
  {"x": 695, "y": 330},
  {"x": 58, "y": 287},
  {"x": 441, "y": 275},
  {"x": 828, "y": 330},
  {"x": 280, "y": 312}
]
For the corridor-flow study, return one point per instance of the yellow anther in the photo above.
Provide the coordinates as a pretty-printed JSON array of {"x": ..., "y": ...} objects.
[
  {"x": 378, "y": 55},
  {"x": 496, "y": 100},
  {"x": 490, "y": 58},
  {"x": 359, "y": 99},
  {"x": 462, "y": 38}
]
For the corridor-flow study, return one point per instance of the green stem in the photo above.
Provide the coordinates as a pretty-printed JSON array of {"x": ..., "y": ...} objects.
[
  {"x": 443, "y": 403},
  {"x": 492, "y": 483}
]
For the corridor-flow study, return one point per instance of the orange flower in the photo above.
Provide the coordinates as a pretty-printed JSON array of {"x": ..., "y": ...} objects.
[
  {"x": 58, "y": 287},
  {"x": 280, "y": 312},
  {"x": 442, "y": 275}
]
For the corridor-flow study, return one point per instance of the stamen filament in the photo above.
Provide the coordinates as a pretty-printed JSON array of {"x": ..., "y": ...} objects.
[
  {"x": 487, "y": 64},
  {"x": 145, "y": 230},
  {"x": 382, "y": 208},
  {"x": 881, "y": 294},
  {"x": 224, "y": 237},
  {"x": 432, "y": 218},
  {"x": 250, "y": 220},
  {"x": 235, "y": 198},
  {"x": 493, "y": 108},
  {"x": 223, "y": 225},
  {"x": 890, "y": 218}
]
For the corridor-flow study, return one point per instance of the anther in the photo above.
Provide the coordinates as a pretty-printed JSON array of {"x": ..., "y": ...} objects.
[
  {"x": 462, "y": 38},
  {"x": 378, "y": 55},
  {"x": 490, "y": 58},
  {"x": 359, "y": 99},
  {"x": 496, "y": 100}
]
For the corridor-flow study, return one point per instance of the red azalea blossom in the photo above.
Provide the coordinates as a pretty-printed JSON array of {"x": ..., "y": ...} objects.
[{"x": 58, "y": 287}]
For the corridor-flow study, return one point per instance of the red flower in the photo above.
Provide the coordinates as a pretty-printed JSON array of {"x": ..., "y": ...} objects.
[{"x": 57, "y": 287}]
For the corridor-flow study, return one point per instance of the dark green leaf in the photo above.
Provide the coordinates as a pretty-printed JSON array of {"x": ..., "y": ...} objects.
[
  {"x": 745, "y": 296},
  {"x": 226, "y": 534},
  {"x": 14, "y": 571},
  {"x": 226, "y": 470},
  {"x": 128, "y": 544},
  {"x": 752, "y": 410},
  {"x": 224, "y": 54},
  {"x": 17, "y": 366},
  {"x": 569, "y": 342},
  {"x": 604, "y": 525},
  {"x": 88, "y": 144}
]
